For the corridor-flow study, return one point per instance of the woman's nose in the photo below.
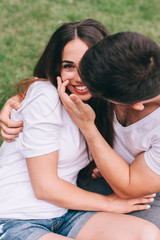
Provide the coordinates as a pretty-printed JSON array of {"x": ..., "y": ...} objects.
[{"x": 78, "y": 79}]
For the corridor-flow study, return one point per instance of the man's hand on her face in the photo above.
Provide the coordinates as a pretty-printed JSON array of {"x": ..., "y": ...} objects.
[{"x": 81, "y": 113}]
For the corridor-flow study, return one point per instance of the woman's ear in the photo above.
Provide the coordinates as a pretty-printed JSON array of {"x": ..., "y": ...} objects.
[{"x": 138, "y": 106}]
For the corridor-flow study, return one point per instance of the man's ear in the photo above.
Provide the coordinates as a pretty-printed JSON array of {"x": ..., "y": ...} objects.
[{"x": 138, "y": 106}]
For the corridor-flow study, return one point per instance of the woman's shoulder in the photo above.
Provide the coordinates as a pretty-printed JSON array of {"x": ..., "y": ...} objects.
[
  {"x": 42, "y": 88},
  {"x": 42, "y": 97}
]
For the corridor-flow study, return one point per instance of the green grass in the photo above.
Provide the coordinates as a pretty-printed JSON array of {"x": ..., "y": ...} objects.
[{"x": 26, "y": 25}]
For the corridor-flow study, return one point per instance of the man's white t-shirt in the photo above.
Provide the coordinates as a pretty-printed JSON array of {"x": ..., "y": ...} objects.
[
  {"x": 141, "y": 136},
  {"x": 47, "y": 128}
]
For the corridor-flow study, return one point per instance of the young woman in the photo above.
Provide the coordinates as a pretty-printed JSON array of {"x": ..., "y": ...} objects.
[{"x": 38, "y": 171}]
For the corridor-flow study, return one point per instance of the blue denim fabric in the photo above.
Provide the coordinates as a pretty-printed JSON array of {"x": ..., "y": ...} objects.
[{"x": 66, "y": 225}]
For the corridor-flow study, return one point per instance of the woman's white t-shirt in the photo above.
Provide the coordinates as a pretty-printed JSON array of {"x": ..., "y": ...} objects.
[{"x": 47, "y": 128}]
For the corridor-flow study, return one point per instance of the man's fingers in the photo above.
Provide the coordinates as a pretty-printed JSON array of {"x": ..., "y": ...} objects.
[
  {"x": 62, "y": 89},
  {"x": 7, "y": 140},
  {"x": 96, "y": 173},
  {"x": 142, "y": 200},
  {"x": 10, "y": 133},
  {"x": 7, "y": 137},
  {"x": 78, "y": 102},
  {"x": 14, "y": 102},
  {"x": 11, "y": 130},
  {"x": 11, "y": 124},
  {"x": 16, "y": 105},
  {"x": 66, "y": 100},
  {"x": 80, "y": 112},
  {"x": 151, "y": 195},
  {"x": 141, "y": 207},
  {"x": 62, "y": 86}
]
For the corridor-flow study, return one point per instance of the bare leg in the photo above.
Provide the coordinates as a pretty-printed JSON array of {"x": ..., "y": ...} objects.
[{"x": 107, "y": 226}]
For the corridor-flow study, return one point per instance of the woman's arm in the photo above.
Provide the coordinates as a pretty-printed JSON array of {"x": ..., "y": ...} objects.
[
  {"x": 10, "y": 129},
  {"x": 49, "y": 187}
]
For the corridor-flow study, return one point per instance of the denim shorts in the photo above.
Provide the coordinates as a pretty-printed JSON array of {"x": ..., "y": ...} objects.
[{"x": 67, "y": 225}]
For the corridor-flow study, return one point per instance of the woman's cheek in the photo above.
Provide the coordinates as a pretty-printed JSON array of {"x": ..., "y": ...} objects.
[{"x": 67, "y": 76}]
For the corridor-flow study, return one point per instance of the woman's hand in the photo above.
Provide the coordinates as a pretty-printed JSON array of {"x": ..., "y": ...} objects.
[
  {"x": 81, "y": 113},
  {"x": 10, "y": 129},
  {"x": 119, "y": 205}
]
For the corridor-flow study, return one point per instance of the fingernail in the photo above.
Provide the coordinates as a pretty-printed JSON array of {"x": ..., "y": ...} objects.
[
  {"x": 148, "y": 206},
  {"x": 154, "y": 194},
  {"x": 151, "y": 199}
]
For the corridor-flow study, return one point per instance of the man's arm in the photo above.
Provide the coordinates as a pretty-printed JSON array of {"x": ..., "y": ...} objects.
[{"x": 126, "y": 180}]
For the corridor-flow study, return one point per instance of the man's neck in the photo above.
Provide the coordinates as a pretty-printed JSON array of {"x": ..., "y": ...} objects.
[{"x": 126, "y": 115}]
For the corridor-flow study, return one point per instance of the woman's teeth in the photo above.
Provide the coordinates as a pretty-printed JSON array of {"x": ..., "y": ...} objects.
[{"x": 81, "y": 87}]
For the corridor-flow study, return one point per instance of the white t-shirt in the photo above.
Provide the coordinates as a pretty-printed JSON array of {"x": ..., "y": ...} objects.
[
  {"x": 141, "y": 136},
  {"x": 47, "y": 128}
]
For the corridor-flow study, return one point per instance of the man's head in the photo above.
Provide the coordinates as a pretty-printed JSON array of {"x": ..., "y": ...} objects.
[{"x": 124, "y": 67}]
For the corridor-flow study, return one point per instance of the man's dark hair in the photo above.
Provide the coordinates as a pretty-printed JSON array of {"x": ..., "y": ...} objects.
[{"x": 124, "y": 67}]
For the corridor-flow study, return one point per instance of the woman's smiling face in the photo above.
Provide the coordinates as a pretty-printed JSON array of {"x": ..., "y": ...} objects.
[{"x": 71, "y": 56}]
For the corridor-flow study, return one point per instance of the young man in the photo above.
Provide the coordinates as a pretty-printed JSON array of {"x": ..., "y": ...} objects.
[{"x": 124, "y": 69}]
